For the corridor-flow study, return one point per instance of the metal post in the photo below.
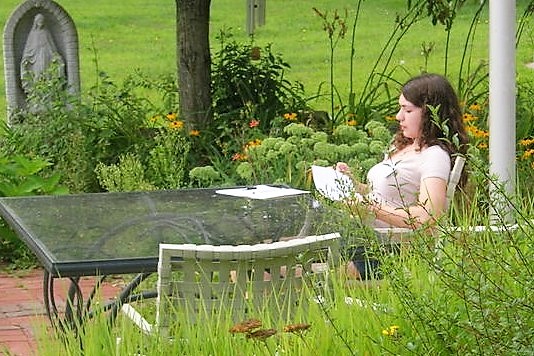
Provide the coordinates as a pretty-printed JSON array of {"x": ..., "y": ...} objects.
[
  {"x": 251, "y": 19},
  {"x": 255, "y": 15},
  {"x": 502, "y": 92},
  {"x": 260, "y": 12}
]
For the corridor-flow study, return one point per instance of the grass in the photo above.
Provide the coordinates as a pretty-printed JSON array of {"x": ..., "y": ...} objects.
[
  {"x": 471, "y": 296},
  {"x": 126, "y": 35},
  {"x": 354, "y": 308}
]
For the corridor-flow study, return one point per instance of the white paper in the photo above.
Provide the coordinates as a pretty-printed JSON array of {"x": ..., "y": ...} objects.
[
  {"x": 261, "y": 192},
  {"x": 333, "y": 184}
]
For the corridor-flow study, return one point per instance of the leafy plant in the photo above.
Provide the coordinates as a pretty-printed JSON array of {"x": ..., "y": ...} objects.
[
  {"x": 288, "y": 159},
  {"x": 21, "y": 176},
  {"x": 249, "y": 83}
]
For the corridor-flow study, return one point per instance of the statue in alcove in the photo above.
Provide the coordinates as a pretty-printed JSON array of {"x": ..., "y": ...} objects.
[{"x": 40, "y": 57}]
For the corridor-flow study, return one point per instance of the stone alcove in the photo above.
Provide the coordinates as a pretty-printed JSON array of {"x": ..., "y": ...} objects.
[{"x": 16, "y": 32}]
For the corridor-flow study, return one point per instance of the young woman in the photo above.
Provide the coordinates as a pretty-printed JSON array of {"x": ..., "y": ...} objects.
[{"x": 409, "y": 187}]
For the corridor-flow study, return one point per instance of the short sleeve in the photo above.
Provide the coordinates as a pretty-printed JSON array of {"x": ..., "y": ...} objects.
[{"x": 435, "y": 163}]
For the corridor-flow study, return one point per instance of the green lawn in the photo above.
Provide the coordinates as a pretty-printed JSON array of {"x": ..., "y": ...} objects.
[{"x": 126, "y": 35}]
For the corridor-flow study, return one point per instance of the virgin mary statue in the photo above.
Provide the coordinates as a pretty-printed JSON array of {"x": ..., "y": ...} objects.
[{"x": 39, "y": 54}]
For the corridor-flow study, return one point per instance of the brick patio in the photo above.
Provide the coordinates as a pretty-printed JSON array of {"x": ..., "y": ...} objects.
[{"x": 22, "y": 312}]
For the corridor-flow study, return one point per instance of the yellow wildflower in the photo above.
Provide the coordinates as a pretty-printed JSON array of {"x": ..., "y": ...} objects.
[
  {"x": 194, "y": 133},
  {"x": 391, "y": 331},
  {"x": 171, "y": 116},
  {"x": 476, "y": 132},
  {"x": 526, "y": 141},
  {"x": 176, "y": 125},
  {"x": 475, "y": 107},
  {"x": 352, "y": 122},
  {"x": 391, "y": 118},
  {"x": 528, "y": 153},
  {"x": 253, "y": 143},
  {"x": 469, "y": 117}
]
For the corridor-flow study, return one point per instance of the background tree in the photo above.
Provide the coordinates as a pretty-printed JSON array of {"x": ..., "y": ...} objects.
[{"x": 193, "y": 60}]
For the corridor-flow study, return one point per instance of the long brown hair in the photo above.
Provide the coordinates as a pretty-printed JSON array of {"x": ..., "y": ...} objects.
[{"x": 433, "y": 91}]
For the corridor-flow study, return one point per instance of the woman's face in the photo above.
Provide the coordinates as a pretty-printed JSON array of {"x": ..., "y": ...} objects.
[{"x": 410, "y": 118}]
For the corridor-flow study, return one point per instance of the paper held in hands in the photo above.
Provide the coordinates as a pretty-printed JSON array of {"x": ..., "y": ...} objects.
[{"x": 333, "y": 184}]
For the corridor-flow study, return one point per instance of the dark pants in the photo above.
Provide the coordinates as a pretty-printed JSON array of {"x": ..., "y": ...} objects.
[{"x": 367, "y": 260}]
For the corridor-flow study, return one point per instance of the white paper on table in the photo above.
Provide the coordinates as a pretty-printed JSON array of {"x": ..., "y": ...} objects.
[
  {"x": 261, "y": 192},
  {"x": 333, "y": 184}
]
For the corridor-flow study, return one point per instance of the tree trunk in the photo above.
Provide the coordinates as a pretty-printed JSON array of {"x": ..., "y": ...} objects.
[{"x": 194, "y": 61}]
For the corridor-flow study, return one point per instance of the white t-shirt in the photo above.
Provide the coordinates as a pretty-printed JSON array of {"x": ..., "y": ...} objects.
[{"x": 396, "y": 181}]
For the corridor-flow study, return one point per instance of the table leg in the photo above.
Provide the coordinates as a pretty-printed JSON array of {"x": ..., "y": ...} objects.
[
  {"x": 126, "y": 295},
  {"x": 74, "y": 302}
]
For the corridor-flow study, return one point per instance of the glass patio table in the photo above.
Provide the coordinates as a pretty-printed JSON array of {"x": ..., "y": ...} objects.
[{"x": 102, "y": 234}]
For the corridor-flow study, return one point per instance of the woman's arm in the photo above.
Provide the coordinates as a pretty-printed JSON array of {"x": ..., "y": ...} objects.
[{"x": 431, "y": 205}]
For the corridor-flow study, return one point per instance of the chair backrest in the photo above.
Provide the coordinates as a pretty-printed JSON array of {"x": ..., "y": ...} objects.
[
  {"x": 204, "y": 280},
  {"x": 454, "y": 177}
]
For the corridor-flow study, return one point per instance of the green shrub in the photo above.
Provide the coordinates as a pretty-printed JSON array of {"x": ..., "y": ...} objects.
[{"x": 21, "y": 176}]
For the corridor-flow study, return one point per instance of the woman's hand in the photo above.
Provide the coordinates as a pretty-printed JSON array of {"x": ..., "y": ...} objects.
[{"x": 343, "y": 168}]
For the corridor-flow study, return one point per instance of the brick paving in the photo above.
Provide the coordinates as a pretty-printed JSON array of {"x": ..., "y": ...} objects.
[{"x": 22, "y": 311}]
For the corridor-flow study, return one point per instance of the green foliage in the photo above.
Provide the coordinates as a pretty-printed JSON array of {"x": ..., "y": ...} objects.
[
  {"x": 54, "y": 127},
  {"x": 288, "y": 159},
  {"x": 168, "y": 159},
  {"x": 471, "y": 295},
  {"x": 21, "y": 176},
  {"x": 249, "y": 83},
  {"x": 127, "y": 175},
  {"x": 205, "y": 176}
]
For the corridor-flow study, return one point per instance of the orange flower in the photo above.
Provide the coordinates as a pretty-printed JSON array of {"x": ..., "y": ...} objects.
[
  {"x": 236, "y": 156},
  {"x": 239, "y": 157},
  {"x": 194, "y": 133},
  {"x": 391, "y": 118},
  {"x": 290, "y": 116},
  {"x": 253, "y": 123},
  {"x": 261, "y": 334},
  {"x": 296, "y": 328},
  {"x": 246, "y": 326},
  {"x": 352, "y": 122}
]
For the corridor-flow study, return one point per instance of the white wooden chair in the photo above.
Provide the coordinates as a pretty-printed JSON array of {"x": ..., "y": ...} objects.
[{"x": 204, "y": 280}]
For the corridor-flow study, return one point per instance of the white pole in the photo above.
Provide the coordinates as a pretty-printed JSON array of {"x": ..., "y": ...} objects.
[{"x": 502, "y": 91}]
